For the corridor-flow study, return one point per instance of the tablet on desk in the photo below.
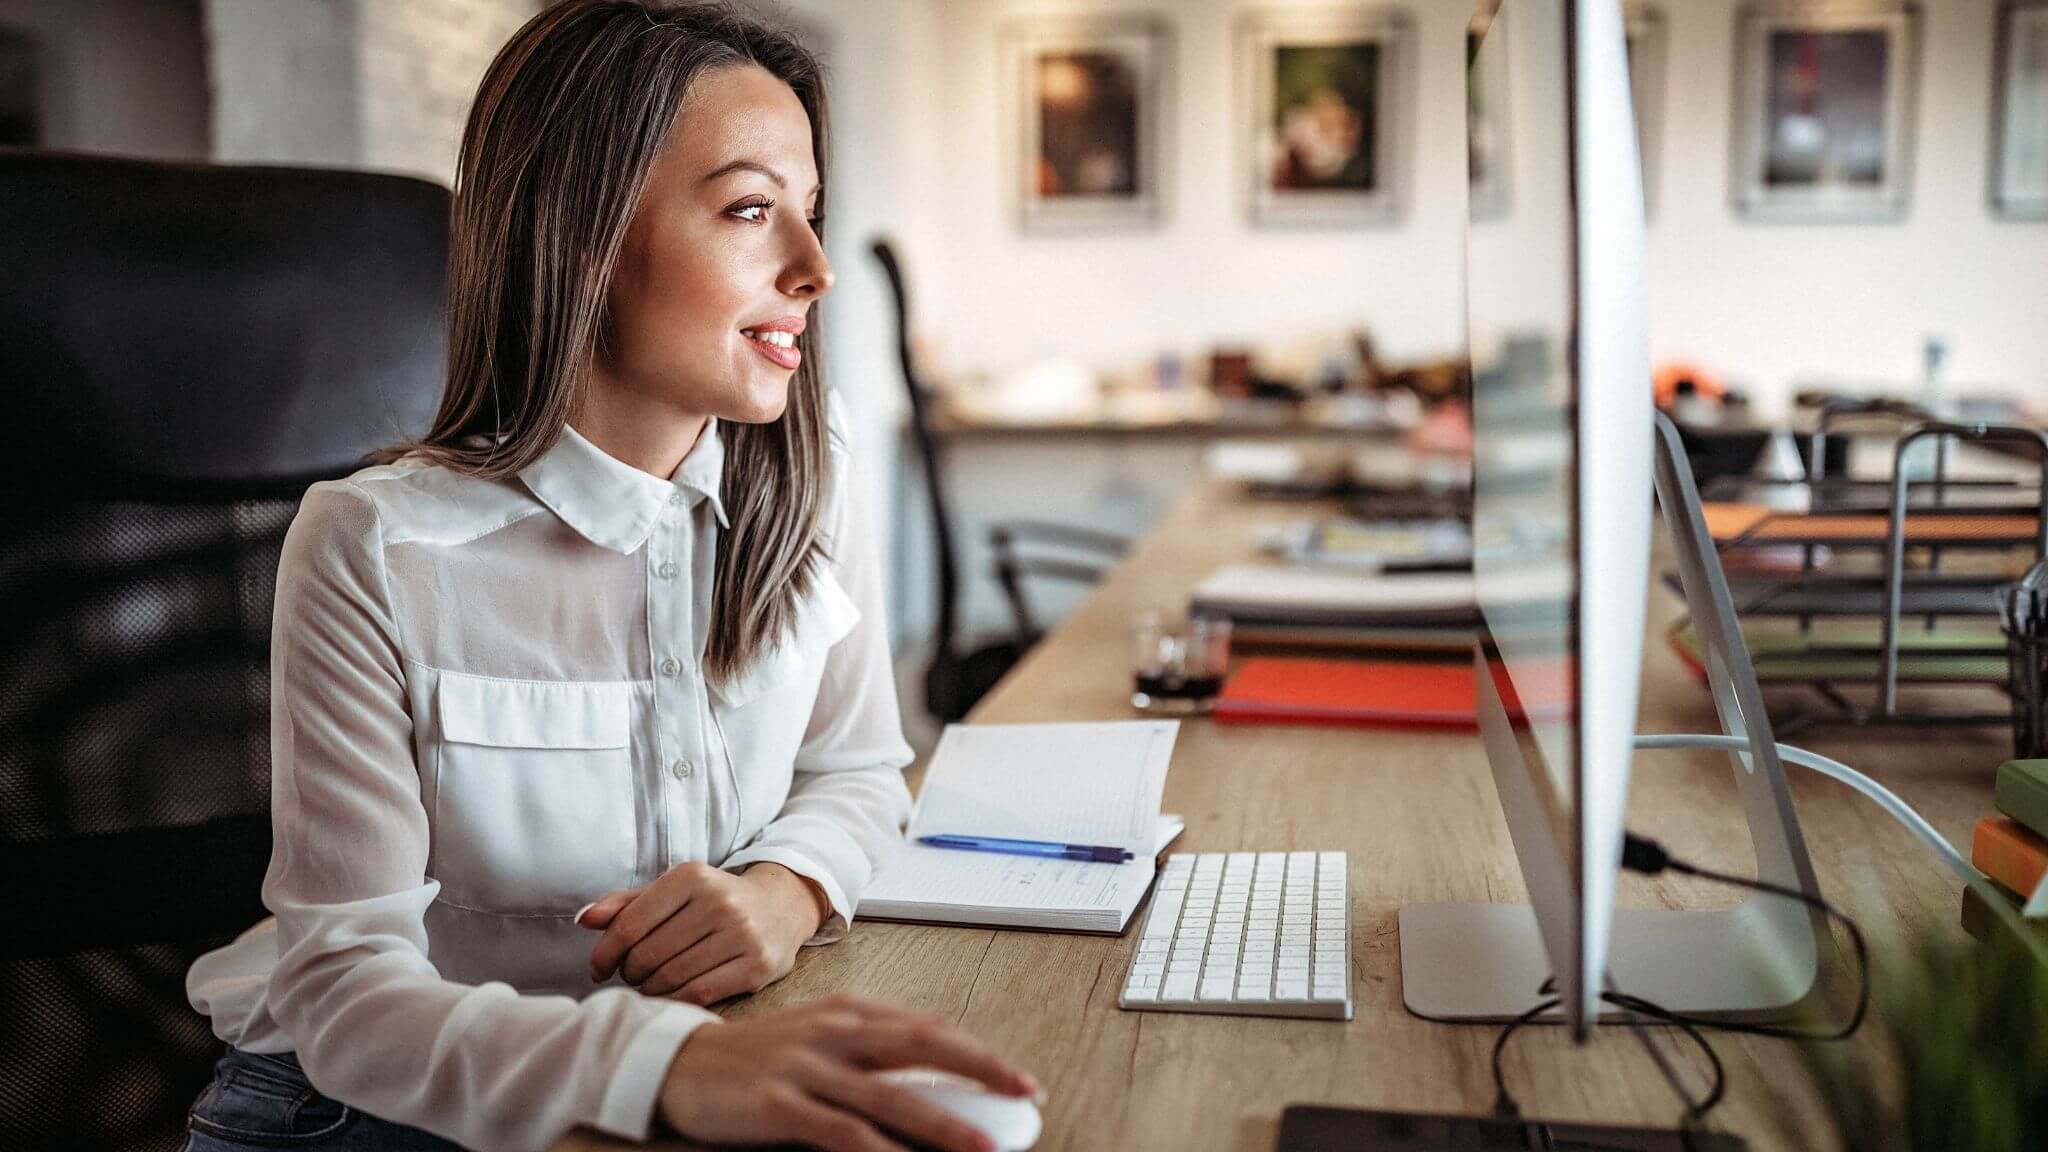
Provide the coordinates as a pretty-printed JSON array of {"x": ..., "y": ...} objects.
[{"x": 1307, "y": 1128}]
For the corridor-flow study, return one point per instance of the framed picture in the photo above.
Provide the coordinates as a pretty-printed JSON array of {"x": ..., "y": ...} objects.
[
  {"x": 1486, "y": 120},
  {"x": 1090, "y": 119},
  {"x": 1324, "y": 96},
  {"x": 2019, "y": 171},
  {"x": 18, "y": 121},
  {"x": 1644, "y": 28},
  {"x": 1825, "y": 95}
]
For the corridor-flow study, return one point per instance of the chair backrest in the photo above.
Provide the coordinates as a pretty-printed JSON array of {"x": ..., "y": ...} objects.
[
  {"x": 186, "y": 348},
  {"x": 928, "y": 454}
]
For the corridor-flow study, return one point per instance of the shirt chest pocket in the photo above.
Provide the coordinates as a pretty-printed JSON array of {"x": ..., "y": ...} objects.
[{"x": 534, "y": 798}]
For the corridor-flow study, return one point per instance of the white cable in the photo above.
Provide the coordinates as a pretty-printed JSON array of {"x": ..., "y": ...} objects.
[{"x": 1885, "y": 797}]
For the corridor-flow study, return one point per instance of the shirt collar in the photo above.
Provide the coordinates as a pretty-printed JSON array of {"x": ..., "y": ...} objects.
[{"x": 613, "y": 504}]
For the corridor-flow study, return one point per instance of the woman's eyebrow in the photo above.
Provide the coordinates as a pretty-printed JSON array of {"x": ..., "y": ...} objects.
[{"x": 749, "y": 166}]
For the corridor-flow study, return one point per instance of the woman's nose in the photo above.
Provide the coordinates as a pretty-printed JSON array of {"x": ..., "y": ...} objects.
[{"x": 808, "y": 274}]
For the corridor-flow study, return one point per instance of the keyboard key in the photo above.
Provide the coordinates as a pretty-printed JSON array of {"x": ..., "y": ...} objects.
[
  {"x": 1285, "y": 989},
  {"x": 1178, "y": 988}
]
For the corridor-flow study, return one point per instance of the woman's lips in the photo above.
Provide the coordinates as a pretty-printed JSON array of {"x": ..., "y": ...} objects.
[{"x": 787, "y": 358}]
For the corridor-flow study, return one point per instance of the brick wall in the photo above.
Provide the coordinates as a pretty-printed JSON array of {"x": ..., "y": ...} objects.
[
  {"x": 418, "y": 65},
  {"x": 381, "y": 84}
]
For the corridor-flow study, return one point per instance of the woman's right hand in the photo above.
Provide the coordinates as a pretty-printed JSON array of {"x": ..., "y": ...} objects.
[{"x": 809, "y": 1074}]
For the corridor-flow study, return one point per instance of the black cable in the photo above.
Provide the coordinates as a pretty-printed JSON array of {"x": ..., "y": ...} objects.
[
  {"x": 1642, "y": 855},
  {"x": 1695, "y": 1110},
  {"x": 1504, "y": 1104},
  {"x": 1647, "y": 857}
]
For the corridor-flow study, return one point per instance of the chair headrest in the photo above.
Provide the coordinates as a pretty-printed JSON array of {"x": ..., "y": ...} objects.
[{"x": 211, "y": 324}]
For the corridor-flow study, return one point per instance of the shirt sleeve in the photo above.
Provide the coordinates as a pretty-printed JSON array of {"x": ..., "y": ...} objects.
[
  {"x": 373, "y": 1022},
  {"x": 847, "y": 804}
]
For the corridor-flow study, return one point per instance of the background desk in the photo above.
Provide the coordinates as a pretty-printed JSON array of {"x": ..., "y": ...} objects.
[
  {"x": 1418, "y": 815},
  {"x": 1115, "y": 475}
]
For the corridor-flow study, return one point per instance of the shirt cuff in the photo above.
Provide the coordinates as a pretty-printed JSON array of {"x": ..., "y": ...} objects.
[
  {"x": 835, "y": 926},
  {"x": 627, "y": 1110}
]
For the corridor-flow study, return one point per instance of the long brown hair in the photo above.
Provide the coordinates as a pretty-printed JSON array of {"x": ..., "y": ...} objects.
[{"x": 567, "y": 122}]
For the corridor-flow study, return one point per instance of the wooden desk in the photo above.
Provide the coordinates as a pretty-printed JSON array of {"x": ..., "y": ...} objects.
[
  {"x": 1418, "y": 814},
  {"x": 1199, "y": 420}
]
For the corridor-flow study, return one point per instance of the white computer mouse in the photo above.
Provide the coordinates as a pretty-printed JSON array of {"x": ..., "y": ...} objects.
[{"x": 1012, "y": 1122}]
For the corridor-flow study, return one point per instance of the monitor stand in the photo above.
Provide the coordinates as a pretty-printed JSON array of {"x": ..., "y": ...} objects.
[{"x": 1759, "y": 960}]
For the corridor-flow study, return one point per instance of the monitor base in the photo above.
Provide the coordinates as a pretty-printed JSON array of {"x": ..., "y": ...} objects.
[{"x": 1483, "y": 963}]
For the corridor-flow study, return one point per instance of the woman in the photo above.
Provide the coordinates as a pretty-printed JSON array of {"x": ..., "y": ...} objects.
[{"x": 614, "y": 619}]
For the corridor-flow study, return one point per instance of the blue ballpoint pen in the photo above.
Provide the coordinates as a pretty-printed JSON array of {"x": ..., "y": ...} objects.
[{"x": 1042, "y": 848}]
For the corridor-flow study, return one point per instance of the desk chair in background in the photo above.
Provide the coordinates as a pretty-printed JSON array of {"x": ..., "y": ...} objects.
[
  {"x": 188, "y": 347},
  {"x": 956, "y": 680}
]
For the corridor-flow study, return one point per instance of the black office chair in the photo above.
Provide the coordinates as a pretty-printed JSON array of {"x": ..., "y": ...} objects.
[
  {"x": 956, "y": 680},
  {"x": 186, "y": 348}
]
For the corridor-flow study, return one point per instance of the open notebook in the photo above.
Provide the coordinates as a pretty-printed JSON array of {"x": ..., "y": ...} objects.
[{"x": 1072, "y": 783}]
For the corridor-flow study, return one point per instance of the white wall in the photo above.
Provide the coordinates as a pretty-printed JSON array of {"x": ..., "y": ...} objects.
[
  {"x": 379, "y": 84},
  {"x": 118, "y": 76},
  {"x": 1205, "y": 275},
  {"x": 284, "y": 82},
  {"x": 1768, "y": 306},
  {"x": 418, "y": 69},
  {"x": 1776, "y": 306}
]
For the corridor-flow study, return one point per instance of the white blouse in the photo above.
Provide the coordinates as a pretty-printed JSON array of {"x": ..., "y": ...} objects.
[{"x": 487, "y": 710}]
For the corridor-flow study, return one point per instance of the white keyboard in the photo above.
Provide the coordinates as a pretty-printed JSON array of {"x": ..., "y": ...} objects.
[{"x": 1246, "y": 934}]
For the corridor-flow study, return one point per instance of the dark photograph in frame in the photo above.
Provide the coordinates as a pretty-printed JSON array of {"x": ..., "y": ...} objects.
[
  {"x": 1088, "y": 119},
  {"x": 1825, "y": 98},
  {"x": 1322, "y": 90}
]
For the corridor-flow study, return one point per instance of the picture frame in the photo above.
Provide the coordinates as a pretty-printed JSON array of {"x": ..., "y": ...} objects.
[
  {"x": 1324, "y": 97},
  {"x": 1487, "y": 163},
  {"x": 1825, "y": 102},
  {"x": 1644, "y": 28},
  {"x": 1089, "y": 119},
  {"x": 2019, "y": 144}
]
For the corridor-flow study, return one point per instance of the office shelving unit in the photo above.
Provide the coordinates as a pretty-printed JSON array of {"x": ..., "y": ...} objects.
[{"x": 1875, "y": 584}]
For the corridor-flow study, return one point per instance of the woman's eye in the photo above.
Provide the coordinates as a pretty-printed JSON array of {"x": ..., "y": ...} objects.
[{"x": 759, "y": 212}]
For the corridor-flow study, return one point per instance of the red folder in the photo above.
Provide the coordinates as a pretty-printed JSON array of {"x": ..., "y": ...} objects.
[
  {"x": 1370, "y": 693},
  {"x": 1374, "y": 693}
]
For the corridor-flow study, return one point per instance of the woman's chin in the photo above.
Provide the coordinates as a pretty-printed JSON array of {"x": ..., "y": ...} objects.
[{"x": 763, "y": 407}]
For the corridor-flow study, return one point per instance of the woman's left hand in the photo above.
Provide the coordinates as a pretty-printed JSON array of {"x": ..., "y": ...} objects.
[{"x": 701, "y": 934}]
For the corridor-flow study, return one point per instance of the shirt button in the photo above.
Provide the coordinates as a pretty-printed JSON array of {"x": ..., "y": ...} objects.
[
  {"x": 675, "y": 497},
  {"x": 670, "y": 667},
  {"x": 681, "y": 769},
  {"x": 667, "y": 571}
]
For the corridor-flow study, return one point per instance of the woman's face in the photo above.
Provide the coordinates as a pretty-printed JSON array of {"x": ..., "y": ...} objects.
[{"x": 721, "y": 262}]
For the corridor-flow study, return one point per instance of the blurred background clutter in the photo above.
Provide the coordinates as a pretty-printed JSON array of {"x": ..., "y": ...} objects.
[{"x": 1131, "y": 234}]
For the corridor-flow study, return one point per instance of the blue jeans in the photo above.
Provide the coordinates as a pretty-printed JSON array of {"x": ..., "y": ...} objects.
[{"x": 258, "y": 1101}]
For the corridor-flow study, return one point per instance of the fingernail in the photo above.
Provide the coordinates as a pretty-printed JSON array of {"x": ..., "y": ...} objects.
[{"x": 578, "y": 917}]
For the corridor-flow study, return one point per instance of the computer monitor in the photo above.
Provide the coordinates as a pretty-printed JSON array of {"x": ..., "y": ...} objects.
[{"x": 1565, "y": 461}]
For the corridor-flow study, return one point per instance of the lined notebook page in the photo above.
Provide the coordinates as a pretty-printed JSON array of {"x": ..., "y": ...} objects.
[
  {"x": 935, "y": 884},
  {"x": 982, "y": 880},
  {"x": 1074, "y": 783}
]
